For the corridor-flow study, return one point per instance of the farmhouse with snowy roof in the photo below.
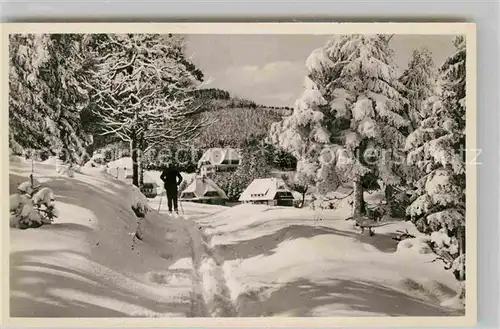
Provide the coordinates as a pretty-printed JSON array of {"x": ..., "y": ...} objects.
[
  {"x": 203, "y": 190},
  {"x": 218, "y": 159},
  {"x": 270, "y": 191}
]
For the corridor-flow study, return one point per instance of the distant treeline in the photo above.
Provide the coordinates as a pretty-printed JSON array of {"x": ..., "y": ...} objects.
[{"x": 214, "y": 94}]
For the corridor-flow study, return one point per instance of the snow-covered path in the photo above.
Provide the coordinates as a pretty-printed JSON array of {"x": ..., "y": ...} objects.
[
  {"x": 210, "y": 285},
  {"x": 210, "y": 293}
]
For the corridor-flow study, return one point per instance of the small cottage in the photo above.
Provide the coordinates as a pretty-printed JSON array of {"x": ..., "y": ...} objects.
[
  {"x": 203, "y": 190},
  {"x": 218, "y": 159},
  {"x": 270, "y": 191}
]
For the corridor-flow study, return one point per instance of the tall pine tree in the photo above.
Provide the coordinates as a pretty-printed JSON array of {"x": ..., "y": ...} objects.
[
  {"x": 27, "y": 109},
  {"x": 419, "y": 82},
  {"x": 305, "y": 134},
  {"x": 349, "y": 125},
  {"x": 367, "y": 95},
  {"x": 437, "y": 147}
]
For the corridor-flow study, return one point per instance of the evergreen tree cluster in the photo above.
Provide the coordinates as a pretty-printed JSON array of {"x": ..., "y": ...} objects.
[
  {"x": 437, "y": 149},
  {"x": 46, "y": 97},
  {"x": 359, "y": 122}
]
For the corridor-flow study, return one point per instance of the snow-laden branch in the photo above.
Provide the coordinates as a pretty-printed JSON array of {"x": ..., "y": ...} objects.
[{"x": 143, "y": 91}]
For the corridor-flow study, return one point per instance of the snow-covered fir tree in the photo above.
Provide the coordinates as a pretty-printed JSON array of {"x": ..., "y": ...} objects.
[
  {"x": 419, "y": 82},
  {"x": 141, "y": 85},
  {"x": 305, "y": 134},
  {"x": 27, "y": 52},
  {"x": 350, "y": 123},
  {"x": 46, "y": 95},
  {"x": 437, "y": 147}
]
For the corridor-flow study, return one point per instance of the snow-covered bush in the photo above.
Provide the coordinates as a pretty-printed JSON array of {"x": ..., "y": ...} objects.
[
  {"x": 28, "y": 187},
  {"x": 69, "y": 170},
  {"x": 97, "y": 160},
  {"x": 440, "y": 238},
  {"x": 44, "y": 197},
  {"x": 30, "y": 207},
  {"x": 319, "y": 201}
]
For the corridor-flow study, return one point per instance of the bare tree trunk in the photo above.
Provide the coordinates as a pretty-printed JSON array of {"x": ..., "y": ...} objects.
[
  {"x": 140, "y": 161},
  {"x": 461, "y": 246},
  {"x": 133, "y": 152},
  {"x": 140, "y": 168},
  {"x": 303, "y": 200},
  {"x": 358, "y": 205}
]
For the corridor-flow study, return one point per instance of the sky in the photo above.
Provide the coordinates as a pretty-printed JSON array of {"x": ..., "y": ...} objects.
[{"x": 270, "y": 69}]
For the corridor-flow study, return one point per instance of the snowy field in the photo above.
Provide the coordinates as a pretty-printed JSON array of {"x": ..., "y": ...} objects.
[
  {"x": 284, "y": 262},
  {"x": 248, "y": 260}
]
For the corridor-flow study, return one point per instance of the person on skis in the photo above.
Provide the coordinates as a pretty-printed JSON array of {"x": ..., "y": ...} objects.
[{"x": 171, "y": 178}]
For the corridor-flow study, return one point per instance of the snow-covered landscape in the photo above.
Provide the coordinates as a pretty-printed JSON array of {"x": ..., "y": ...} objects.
[
  {"x": 139, "y": 188},
  {"x": 248, "y": 260}
]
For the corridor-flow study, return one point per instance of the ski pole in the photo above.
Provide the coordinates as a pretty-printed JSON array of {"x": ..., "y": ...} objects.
[
  {"x": 159, "y": 205},
  {"x": 182, "y": 209}
]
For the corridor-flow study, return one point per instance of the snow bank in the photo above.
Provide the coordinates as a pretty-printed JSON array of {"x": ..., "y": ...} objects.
[
  {"x": 17, "y": 159},
  {"x": 88, "y": 263},
  {"x": 418, "y": 245}
]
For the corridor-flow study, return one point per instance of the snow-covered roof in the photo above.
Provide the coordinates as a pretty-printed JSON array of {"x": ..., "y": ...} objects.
[
  {"x": 263, "y": 189},
  {"x": 125, "y": 162},
  {"x": 200, "y": 187},
  {"x": 148, "y": 179},
  {"x": 218, "y": 156}
]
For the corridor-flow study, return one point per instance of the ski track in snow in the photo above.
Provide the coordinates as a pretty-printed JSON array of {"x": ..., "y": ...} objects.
[{"x": 210, "y": 296}]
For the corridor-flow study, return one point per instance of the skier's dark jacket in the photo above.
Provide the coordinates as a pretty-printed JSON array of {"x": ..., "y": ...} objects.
[{"x": 169, "y": 177}]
